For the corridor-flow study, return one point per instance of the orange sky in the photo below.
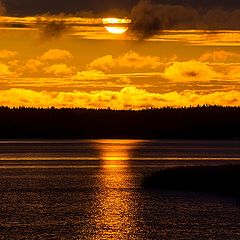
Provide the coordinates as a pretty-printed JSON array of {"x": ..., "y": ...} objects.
[{"x": 74, "y": 62}]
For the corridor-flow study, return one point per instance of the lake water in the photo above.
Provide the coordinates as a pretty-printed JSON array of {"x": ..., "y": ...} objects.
[{"x": 91, "y": 189}]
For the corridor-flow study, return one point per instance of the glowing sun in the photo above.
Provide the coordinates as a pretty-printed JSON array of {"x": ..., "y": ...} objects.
[{"x": 116, "y": 25}]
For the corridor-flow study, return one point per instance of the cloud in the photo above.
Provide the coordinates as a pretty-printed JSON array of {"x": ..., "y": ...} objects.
[
  {"x": 124, "y": 80},
  {"x": 150, "y": 18},
  {"x": 56, "y": 54},
  {"x": 103, "y": 63},
  {"x": 221, "y": 18},
  {"x": 44, "y": 63},
  {"x": 126, "y": 98},
  {"x": 33, "y": 7},
  {"x": 7, "y": 54},
  {"x": 59, "y": 70},
  {"x": 224, "y": 62},
  {"x": 2, "y": 9},
  {"x": 234, "y": 73},
  {"x": 190, "y": 71},
  {"x": 90, "y": 75},
  {"x": 136, "y": 61},
  {"x": 220, "y": 56},
  {"x": 130, "y": 60},
  {"x": 33, "y": 65},
  {"x": 51, "y": 29},
  {"x": 5, "y": 71}
]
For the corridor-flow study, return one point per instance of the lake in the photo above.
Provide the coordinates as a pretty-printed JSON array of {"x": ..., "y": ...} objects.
[{"x": 91, "y": 189}]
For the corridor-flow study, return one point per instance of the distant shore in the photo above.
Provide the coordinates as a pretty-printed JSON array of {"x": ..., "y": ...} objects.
[
  {"x": 207, "y": 122},
  {"x": 221, "y": 180}
]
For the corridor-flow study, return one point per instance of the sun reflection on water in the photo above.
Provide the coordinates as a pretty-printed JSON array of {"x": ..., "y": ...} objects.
[{"x": 116, "y": 203}]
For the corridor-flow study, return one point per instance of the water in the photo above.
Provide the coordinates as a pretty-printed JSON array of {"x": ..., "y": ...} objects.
[{"x": 92, "y": 190}]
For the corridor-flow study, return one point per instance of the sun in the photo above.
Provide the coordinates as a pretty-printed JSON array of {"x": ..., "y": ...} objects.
[
  {"x": 116, "y": 25},
  {"x": 116, "y": 30}
]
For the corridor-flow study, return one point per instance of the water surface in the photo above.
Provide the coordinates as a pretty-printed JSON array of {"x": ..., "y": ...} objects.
[{"x": 91, "y": 189}]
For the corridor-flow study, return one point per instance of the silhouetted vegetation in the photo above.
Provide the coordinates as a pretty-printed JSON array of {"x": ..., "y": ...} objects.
[
  {"x": 208, "y": 122},
  {"x": 222, "y": 180}
]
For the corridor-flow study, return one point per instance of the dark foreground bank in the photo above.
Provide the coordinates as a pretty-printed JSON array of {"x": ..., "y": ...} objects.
[
  {"x": 184, "y": 123},
  {"x": 223, "y": 180}
]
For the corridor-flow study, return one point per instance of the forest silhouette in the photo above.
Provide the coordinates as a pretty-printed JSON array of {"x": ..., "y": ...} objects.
[
  {"x": 222, "y": 179},
  {"x": 202, "y": 122}
]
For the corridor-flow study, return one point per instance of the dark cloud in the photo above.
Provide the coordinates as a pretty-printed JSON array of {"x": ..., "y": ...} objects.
[
  {"x": 51, "y": 29},
  {"x": 148, "y": 18},
  {"x": 32, "y": 7},
  {"x": 2, "y": 9},
  {"x": 35, "y": 7}
]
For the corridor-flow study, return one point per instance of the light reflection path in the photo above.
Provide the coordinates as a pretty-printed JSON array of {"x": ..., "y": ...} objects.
[{"x": 116, "y": 203}]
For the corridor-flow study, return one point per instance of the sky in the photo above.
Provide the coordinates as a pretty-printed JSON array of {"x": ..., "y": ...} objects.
[
  {"x": 169, "y": 53},
  {"x": 26, "y": 7}
]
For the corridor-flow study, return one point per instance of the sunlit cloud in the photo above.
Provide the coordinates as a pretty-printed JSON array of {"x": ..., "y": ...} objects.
[
  {"x": 56, "y": 54},
  {"x": 33, "y": 66},
  {"x": 130, "y": 60},
  {"x": 5, "y": 71},
  {"x": 200, "y": 37},
  {"x": 234, "y": 73},
  {"x": 60, "y": 69},
  {"x": 220, "y": 56},
  {"x": 127, "y": 98},
  {"x": 45, "y": 63},
  {"x": 52, "y": 27},
  {"x": 211, "y": 71},
  {"x": 190, "y": 71},
  {"x": 104, "y": 63},
  {"x": 90, "y": 75},
  {"x": 7, "y": 54}
]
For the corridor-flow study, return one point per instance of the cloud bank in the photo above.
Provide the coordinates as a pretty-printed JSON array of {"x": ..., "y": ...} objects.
[
  {"x": 149, "y": 18},
  {"x": 126, "y": 98}
]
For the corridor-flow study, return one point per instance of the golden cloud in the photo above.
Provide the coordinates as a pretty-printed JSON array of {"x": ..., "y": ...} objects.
[
  {"x": 6, "y": 54},
  {"x": 130, "y": 60},
  {"x": 44, "y": 63},
  {"x": 5, "y": 71},
  {"x": 127, "y": 98},
  {"x": 234, "y": 73},
  {"x": 33, "y": 65},
  {"x": 201, "y": 37},
  {"x": 190, "y": 71},
  {"x": 90, "y": 75},
  {"x": 59, "y": 70},
  {"x": 220, "y": 57},
  {"x": 104, "y": 63},
  {"x": 56, "y": 54}
]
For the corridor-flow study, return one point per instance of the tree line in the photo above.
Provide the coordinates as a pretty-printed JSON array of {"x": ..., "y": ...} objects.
[{"x": 202, "y": 122}]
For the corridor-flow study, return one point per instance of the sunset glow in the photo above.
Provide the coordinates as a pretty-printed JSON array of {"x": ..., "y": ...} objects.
[
  {"x": 72, "y": 61},
  {"x": 119, "y": 119},
  {"x": 116, "y": 30},
  {"x": 116, "y": 25}
]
